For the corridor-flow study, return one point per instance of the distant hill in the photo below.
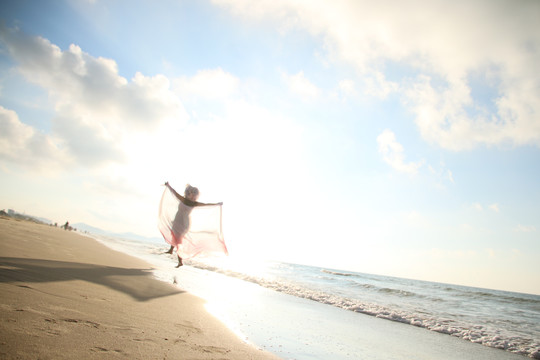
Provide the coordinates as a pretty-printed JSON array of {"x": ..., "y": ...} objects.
[
  {"x": 127, "y": 235},
  {"x": 82, "y": 227},
  {"x": 16, "y": 215}
]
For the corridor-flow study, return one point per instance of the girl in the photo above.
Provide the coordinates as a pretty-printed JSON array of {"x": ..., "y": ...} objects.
[{"x": 181, "y": 222}]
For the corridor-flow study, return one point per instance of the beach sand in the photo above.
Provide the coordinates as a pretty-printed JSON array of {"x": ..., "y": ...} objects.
[{"x": 66, "y": 296}]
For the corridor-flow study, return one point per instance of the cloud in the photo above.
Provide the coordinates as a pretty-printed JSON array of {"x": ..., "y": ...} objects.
[
  {"x": 525, "y": 228},
  {"x": 22, "y": 144},
  {"x": 430, "y": 53},
  {"x": 393, "y": 153},
  {"x": 378, "y": 86},
  {"x": 450, "y": 176},
  {"x": 442, "y": 175},
  {"x": 96, "y": 109},
  {"x": 347, "y": 87},
  {"x": 443, "y": 117},
  {"x": 477, "y": 206},
  {"x": 209, "y": 84},
  {"x": 415, "y": 219},
  {"x": 89, "y": 143},
  {"x": 298, "y": 84},
  {"x": 493, "y": 207}
]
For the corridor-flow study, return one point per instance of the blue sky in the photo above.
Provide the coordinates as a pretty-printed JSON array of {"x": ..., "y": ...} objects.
[{"x": 397, "y": 138}]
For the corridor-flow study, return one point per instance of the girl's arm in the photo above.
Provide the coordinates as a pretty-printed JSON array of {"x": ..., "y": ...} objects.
[
  {"x": 205, "y": 204},
  {"x": 180, "y": 197},
  {"x": 187, "y": 201}
]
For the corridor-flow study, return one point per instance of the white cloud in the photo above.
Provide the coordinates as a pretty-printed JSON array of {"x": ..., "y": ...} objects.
[
  {"x": 377, "y": 85},
  {"x": 477, "y": 206},
  {"x": 209, "y": 84},
  {"x": 442, "y": 175},
  {"x": 298, "y": 84},
  {"x": 450, "y": 176},
  {"x": 437, "y": 44},
  {"x": 415, "y": 219},
  {"x": 96, "y": 109},
  {"x": 443, "y": 118},
  {"x": 346, "y": 88},
  {"x": 22, "y": 144},
  {"x": 393, "y": 153},
  {"x": 525, "y": 228}
]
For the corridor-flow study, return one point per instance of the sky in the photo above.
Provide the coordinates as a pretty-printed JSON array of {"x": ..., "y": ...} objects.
[{"x": 398, "y": 138}]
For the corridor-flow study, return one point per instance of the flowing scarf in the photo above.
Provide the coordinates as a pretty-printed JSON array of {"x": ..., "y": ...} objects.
[{"x": 204, "y": 234}]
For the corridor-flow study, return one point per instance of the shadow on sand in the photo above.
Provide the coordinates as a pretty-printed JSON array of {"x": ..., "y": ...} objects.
[{"x": 137, "y": 283}]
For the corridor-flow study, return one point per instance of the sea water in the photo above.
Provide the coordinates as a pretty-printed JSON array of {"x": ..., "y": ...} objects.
[{"x": 498, "y": 319}]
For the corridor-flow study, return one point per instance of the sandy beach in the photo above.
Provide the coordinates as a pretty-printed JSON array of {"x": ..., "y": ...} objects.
[{"x": 65, "y": 296}]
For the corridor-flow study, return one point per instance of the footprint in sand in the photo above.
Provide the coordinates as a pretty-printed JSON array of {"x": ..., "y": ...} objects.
[
  {"x": 189, "y": 327},
  {"x": 83, "y": 322},
  {"x": 101, "y": 349}
]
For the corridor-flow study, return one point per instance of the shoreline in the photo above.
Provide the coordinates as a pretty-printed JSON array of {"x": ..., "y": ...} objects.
[
  {"x": 64, "y": 295},
  {"x": 300, "y": 328}
]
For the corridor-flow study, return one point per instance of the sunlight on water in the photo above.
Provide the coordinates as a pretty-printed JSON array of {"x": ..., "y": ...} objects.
[
  {"x": 240, "y": 264},
  {"x": 226, "y": 297},
  {"x": 222, "y": 315}
]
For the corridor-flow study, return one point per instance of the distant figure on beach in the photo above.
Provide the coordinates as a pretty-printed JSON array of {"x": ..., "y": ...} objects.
[
  {"x": 181, "y": 224},
  {"x": 66, "y": 225}
]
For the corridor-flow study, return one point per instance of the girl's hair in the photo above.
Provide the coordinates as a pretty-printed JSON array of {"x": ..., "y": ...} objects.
[{"x": 191, "y": 190}]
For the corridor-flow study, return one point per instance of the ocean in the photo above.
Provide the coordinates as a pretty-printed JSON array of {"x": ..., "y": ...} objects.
[{"x": 241, "y": 294}]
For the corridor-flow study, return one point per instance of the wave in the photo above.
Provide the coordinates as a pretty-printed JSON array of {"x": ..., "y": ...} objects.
[
  {"x": 500, "y": 296},
  {"x": 397, "y": 292},
  {"x": 355, "y": 283},
  {"x": 365, "y": 286},
  {"x": 507, "y": 297},
  {"x": 337, "y": 273},
  {"x": 478, "y": 334}
]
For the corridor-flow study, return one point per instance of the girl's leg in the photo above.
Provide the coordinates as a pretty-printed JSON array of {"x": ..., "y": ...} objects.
[
  {"x": 170, "y": 250},
  {"x": 180, "y": 263}
]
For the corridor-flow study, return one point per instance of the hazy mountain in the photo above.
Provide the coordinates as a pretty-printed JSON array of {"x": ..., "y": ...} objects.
[{"x": 127, "y": 235}]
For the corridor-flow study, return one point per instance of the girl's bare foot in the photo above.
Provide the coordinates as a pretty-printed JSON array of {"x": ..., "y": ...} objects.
[
  {"x": 180, "y": 263},
  {"x": 170, "y": 250}
]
